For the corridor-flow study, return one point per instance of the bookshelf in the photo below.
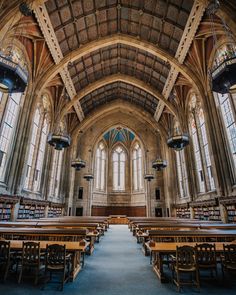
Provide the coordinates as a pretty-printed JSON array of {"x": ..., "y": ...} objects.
[
  {"x": 55, "y": 210},
  {"x": 231, "y": 209},
  {"x": 201, "y": 213},
  {"x": 31, "y": 209},
  {"x": 5, "y": 211},
  {"x": 214, "y": 213},
  {"x": 183, "y": 212},
  {"x": 229, "y": 204},
  {"x": 7, "y": 204}
]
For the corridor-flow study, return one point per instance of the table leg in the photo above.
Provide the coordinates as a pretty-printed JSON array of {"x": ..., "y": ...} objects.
[{"x": 158, "y": 267}]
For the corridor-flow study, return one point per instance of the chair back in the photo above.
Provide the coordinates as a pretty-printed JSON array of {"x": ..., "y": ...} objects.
[
  {"x": 206, "y": 254},
  {"x": 56, "y": 255},
  {"x": 4, "y": 251},
  {"x": 185, "y": 256},
  {"x": 230, "y": 253},
  {"x": 30, "y": 252}
]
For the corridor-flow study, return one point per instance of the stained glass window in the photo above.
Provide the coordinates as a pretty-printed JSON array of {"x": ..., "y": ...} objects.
[{"x": 119, "y": 159}]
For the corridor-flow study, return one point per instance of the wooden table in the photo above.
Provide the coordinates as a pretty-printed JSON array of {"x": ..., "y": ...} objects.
[
  {"x": 92, "y": 238},
  {"x": 160, "y": 249},
  {"x": 31, "y": 233},
  {"x": 75, "y": 248}
]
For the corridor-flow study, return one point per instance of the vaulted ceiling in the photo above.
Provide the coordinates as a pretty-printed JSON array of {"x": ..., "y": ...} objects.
[{"x": 158, "y": 22}]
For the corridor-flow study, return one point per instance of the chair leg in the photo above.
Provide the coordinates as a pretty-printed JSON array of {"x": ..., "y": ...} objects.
[
  {"x": 178, "y": 281},
  {"x": 6, "y": 271},
  {"x": 20, "y": 275},
  {"x": 197, "y": 279},
  {"x": 63, "y": 280},
  {"x": 36, "y": 276}
]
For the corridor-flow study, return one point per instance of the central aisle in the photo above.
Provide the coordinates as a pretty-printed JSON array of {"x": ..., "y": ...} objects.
[{"x": 117, "y": 267}]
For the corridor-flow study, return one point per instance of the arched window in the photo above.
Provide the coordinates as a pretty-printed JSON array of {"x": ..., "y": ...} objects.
[
  {"x": 201, "y": 148},
  {"x": 10, "y": 106},
  {"x": 182, "y": 174},
  {"x": 137, "y": 168},
  {"x": 36, "y": 151},
  {"x": 100, "y": 167},
  {"x": 32, "y": 149},
  {"x": 118, "y": 160},
  {"x": 226, "y": 106},
  {"x": 198, "y": 160},
  {"x": 225, "y": 103},
  {"x": 40, "y": 157},
  {"x": 54, "y": 185}
]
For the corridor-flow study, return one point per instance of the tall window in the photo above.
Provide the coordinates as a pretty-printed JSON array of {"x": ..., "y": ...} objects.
[
  {"x": 226, "y": 108},
  {"x": 100, "y": 167},
  {"x": 32, "y": 149},
  {"x": 137, "y": 168},
  {"x": 36, "y": 152},
  {"x": 118, "y": 159},
  {"x": 225, "y": 104},
  {"x": 10, "y": 112},
  {"x": 40, "y": 157},
  {"x": 54, "y": 186},
  {"x": 201, "y": 148},
  {"x": 182, "y": 174},
  {"x": 198, "y": 160},
  {"x": 202, "y": 130}
]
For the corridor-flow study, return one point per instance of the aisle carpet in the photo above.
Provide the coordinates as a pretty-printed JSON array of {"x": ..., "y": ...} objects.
[{"x": 118, "y": 267}]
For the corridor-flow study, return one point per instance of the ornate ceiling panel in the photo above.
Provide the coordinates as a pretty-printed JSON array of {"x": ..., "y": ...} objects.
[
  {"x": 119, "y": 90},
  {"x": 78, "y": 22},
  {"x": 119, "y": 59}
]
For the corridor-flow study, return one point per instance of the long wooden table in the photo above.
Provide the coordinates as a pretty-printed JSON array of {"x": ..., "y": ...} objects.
[
  {"x": 75, "y": 248},
  {"x": 158, "y": 250}
]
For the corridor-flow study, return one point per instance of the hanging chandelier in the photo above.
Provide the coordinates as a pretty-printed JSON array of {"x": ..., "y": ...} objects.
[
  {"x": 78, "y": 164},
  {"x": 159, "y": 164},
  {"x": 178, "y": 141},
  {"x": 88, "y": 176},
  {"x": 223, "y": 74},
  {"x": 59, "y": 140},
  {"x": 13, "y": 77},
  {"x": 149, "y": 177}
]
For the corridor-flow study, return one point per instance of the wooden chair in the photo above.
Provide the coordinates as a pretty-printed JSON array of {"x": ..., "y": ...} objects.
[
  {"x": 30, "y": 259},
  {"x": 185, "y": 261},
  {"x": 206, "y": 257},
  {"x": 57, "y": 262},
  {"x": 228, "y": 259},
  {"x": 4, "y": 258}
]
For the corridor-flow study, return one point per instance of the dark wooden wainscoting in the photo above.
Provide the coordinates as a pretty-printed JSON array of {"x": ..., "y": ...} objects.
[{"x": 128, "y": 211}]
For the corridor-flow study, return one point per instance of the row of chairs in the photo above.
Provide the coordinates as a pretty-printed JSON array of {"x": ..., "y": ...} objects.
[
  {"x": 31, "y": 258},
  {"x": 203, "y": 256}
]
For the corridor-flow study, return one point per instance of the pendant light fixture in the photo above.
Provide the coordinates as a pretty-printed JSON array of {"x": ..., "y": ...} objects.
[
  {"x": 159, "y": 163},
  {"x": 78, "y": 164},
  {"x": 59, "y": 137},
  {"x": 148, "y": 176},
  {"x": 223, "y": 74},
  {"x": 89, "y": 176},
  {"x": 177, "y": 139},
  {"x": 13, "y": 77}
]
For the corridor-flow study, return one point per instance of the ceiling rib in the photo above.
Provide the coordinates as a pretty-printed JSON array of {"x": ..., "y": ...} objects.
[
  {"x": 53, "y": 45},
  {"x": 191, "y": 27}
]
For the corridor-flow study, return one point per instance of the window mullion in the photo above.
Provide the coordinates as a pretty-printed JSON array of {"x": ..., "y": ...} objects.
[
  {"x": 202, "y": 153},
  {"x": 36, "y": 151}
]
